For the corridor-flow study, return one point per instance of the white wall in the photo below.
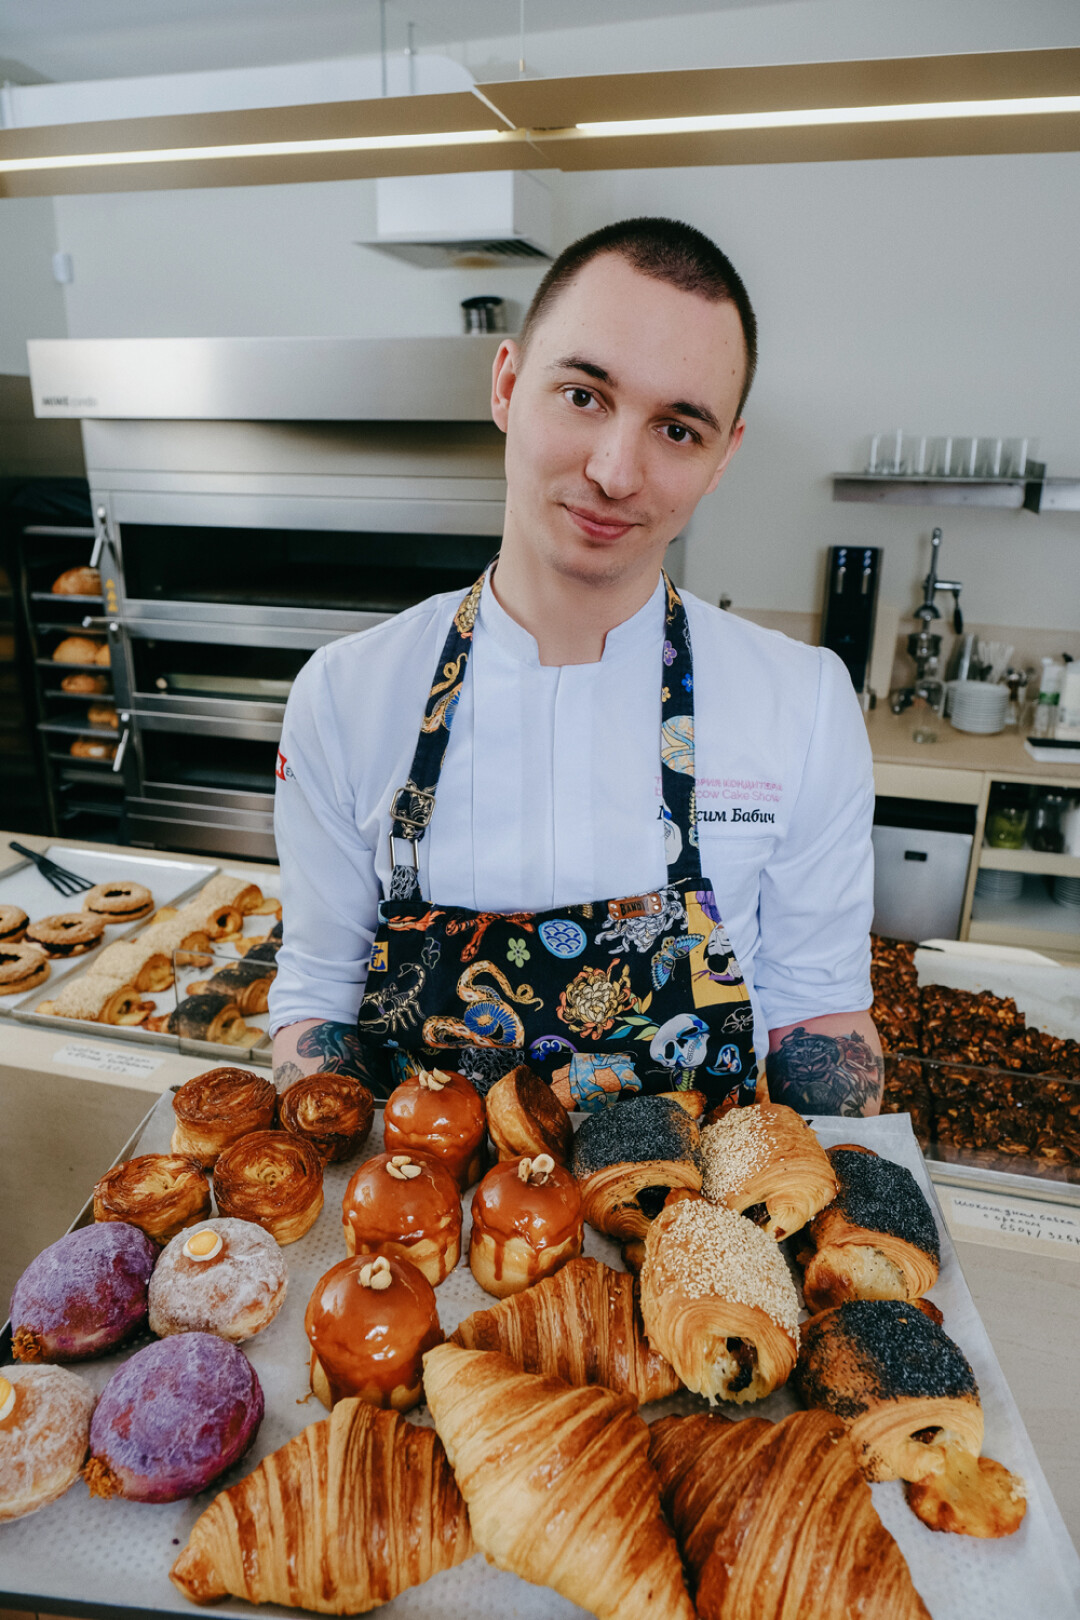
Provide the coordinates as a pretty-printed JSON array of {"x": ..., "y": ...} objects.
[{"x": 31, "y": 303}]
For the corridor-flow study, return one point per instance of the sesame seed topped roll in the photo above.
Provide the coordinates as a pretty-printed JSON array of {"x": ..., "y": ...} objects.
[{"x": 766, "y": 1163}]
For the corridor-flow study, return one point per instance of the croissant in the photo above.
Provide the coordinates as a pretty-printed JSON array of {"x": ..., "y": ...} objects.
[
  {"x": 344, "y": 1517},
  {"x": 558, "y": 1484},
  {"x": 582, "y": 1325},
  {"x": 775, "y": 1521},
  {"x": 718, "y": 1302},
  {"x": 877, "y": 1241},
  {"x": 901, "y": 1386},
  {"x": 765, "y": 1162}
]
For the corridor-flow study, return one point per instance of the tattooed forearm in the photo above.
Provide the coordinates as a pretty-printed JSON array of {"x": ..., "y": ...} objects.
[
  {"x": 317, "y": 1048},
  {"x": 826, "y": 1074}
]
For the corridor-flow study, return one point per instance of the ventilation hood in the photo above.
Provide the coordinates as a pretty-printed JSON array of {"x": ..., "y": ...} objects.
[{"x": 463, "y": 221}]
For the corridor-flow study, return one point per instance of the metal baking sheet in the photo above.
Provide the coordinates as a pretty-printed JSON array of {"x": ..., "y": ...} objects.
[
  {"x": 169, "y": 882},
  {"x": 88, "y": 1553}
]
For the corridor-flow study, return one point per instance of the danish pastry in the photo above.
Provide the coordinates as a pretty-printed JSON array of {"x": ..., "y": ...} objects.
[
  {"x": 369, "y": 1321},
  {"x": 215, "y": 1109},
  {"x": 44, "y": 1432},
  {"x": 273, "y": 1179},
  {"x": 526, "y": 1223},
  {"x": 405, "y": 1205},
  {"x": 439, "y": 1113},
  {"x": 525, "y": 1118},
  {"x": 223, "y": 1276},
  {"x": 766, "y": 1163},
  {"x": 160, "y": 1193},
  {"x": 878, "y": 1240},
  {"x": 627, "y": 1158}
]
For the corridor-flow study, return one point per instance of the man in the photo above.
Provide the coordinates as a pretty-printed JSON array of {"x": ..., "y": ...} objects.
[{"x": 621, "y": 403}]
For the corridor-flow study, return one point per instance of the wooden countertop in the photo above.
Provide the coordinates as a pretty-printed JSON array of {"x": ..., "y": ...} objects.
[{"x": 1002, "y": 755}]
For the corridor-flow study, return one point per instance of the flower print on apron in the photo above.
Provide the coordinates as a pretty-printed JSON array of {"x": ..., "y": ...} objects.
[{"x": 602, "y": 999}]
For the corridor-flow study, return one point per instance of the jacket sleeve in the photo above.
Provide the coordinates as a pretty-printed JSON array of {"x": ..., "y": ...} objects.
[
  {"x": 817, "y": 891},
  {"x": 329, "y": 889}
]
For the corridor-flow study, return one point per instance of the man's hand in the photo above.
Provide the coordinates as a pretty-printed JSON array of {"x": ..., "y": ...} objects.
[
  {"x": 829, "y": 1065},
  {"x": 317, "y": 1046}
]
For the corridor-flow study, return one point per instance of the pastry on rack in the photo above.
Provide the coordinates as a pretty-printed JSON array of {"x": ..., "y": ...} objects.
[
  {"x": 525, "y": 1118},
  {"x": 405, "y": 1205},
  {"x": 212, "y": 1018},
  {"x": 341, "y": 1519},
  {"x": 440, "y": 1113},
  {"x": 877, "y": 1240},
  {"x": 223, "y": 1276},
  {"x": 718, "y": 1302},
  {"x": 81, "y": 681},
  {"x": 82, "y": 581},
  {"x": 369, "y": 1321},
  {"x": 100, "y": 998},
  {"x": 120, "y": 902},
  {"x": 76, "y": 650},
  {"x": 172, "y": 1418},
  {"x": 526, "y": 1223},
  {"x": 331, "y": 1111},
  {"x": 136, "y": 963},
  {"x": 13, "y": 921},
  {"x": 44, "y": 1433},
  {"x": 160, "y": 1193},
  {"x": 103, "y": 656},
  {"x": 89, "y": 748},
  {"x": 246, "y": 982},
  {"x": 766, "y": 1163},
  {"x": 582, "y": 1325},
  {"x": 172, "y": 930},
  {"x": 273, "y": 1179},
  {"x": 83, "y": 1295},
  {"x": 558, "y": 1484},
  {"x": 627, "y": 1159},
  {"x": 66, "y": 933},
  {"x": 215, "y": 1109},
  {"x": 103, "y": 714},
  {"x": 775, "y": 1521},
  {"x": 901, "y": 1386},
  {"x": 22, "y": 967}
]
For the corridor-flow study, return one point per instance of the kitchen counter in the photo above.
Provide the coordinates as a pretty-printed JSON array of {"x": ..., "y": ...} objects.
[{"x": 1001, "y": 756}]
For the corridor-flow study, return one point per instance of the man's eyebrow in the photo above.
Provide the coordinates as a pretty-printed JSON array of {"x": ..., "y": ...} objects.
[
  {"x": 677, "y": 407},
  {"x": 697, "y": 413},
  {"x": 577, "y": 362}
]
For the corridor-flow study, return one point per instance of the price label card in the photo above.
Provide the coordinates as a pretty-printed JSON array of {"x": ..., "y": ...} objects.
[
  {"x": 1006, "y": 1222},
  {"x": 108, "y": 1059}
]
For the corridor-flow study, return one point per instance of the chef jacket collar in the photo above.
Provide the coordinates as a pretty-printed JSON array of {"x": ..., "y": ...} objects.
[{"x": 631, "y": 639}]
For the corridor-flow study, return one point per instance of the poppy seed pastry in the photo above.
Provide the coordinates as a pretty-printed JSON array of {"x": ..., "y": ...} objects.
[
  {"x": 172, "y": 1418},
  {"x": 82, "y": 1295},
  {"x": 877, "y": 1240},
  {"x": 44, "y": 1432},
  {"x": 222, "y": 1276},
  {"x": 628, "y": 1157}
]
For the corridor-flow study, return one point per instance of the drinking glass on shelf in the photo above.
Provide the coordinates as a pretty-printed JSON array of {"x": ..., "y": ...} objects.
[
  {"x": 966, "y": 457},
  {"x": 1016, "y": 454},
  {"x": 941, "y": 461},
  {"x": 886, "y": 455},
  {"x": 990, "y": 458}
]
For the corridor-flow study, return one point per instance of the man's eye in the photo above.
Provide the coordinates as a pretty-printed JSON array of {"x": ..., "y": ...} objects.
[
  {"x": 581, "y": 397},
  {"x": 678, "y": 434}
]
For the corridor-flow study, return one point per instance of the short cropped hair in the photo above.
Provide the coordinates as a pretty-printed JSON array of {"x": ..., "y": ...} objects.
[{"x": 666, "y": 249}]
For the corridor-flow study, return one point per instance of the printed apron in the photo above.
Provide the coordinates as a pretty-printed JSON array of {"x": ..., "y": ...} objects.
[{"x": 638, "y": 993}]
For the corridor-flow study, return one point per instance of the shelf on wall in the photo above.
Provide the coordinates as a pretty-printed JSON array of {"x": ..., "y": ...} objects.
[
  {"x": 1029, "y": 860},
  {"x": 1032, "y": 919},
  {"x": 1010, "y": 494}
]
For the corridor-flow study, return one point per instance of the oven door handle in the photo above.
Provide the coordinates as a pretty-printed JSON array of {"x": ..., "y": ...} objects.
[{"x": 121, "y": 749}]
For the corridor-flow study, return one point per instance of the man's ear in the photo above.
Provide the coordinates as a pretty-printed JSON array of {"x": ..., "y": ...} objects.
[
  {"x": 735, "y": 439},
  {"x": 503, "y": 377}
]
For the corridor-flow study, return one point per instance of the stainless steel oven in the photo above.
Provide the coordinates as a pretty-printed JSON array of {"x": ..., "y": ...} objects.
[{"x": 232, "y": 546}]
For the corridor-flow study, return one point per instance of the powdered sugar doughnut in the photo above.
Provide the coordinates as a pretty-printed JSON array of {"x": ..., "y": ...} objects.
[
  {"x": 44, "y": 1433},
  {"x": 232, "y": 1286}
]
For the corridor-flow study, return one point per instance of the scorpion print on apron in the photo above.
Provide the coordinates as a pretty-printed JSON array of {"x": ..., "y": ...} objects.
[{"x": 611, "y": 997}]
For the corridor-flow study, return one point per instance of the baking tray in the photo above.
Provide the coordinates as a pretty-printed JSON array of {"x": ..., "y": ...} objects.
[
  {"x": 86, "y": 1555},
  {"x": 22, "y": 885}
]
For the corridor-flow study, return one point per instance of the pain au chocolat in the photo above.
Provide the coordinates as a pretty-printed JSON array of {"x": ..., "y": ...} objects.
[
  {"x": 766, "y": 1163},
  {"x": 877, "y": 1240}
]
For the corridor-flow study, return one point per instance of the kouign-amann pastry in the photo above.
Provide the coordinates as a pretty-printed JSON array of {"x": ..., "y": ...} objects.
[
  {"x": 44, "y": 1432},
  {"x": 82, "y": 1295},
  {"x": 775, "y": 1522},
  {"x": 766, "y": 1163},
  {"x": 215, "y": 1109},
  {"x": 525, "y": 1118},
  {"x": 718, "y": 1302},
  {"x": 582, "y": 1325},
  {"x": 67, "y": 933},
  {"x": 878, "y": 1240},
  {"x": 172, "y": 1418},
  {"x": 100, "y": 998},
  {"x": 558, "y": 1484},
  {"x": 160, "y": 1193},
  {"x": 331, "y": 1111},
  {"x": 369, "y": 1322},
  {"x": 628, "y": 1157},
  {"x": 439, "y": 1113},
  {"x": 22, "y": 967},
  {"x": 119, "y": 902},
  {"x": 408, "y": 1206},
  {"x": 526, "y": 1223},
  {"x": 223, "y": 1276},
  {"x": 273, "y": 1179},
  {"x": 904, "y": 1390},
  {"x": 344, "y": 1517},
  {"x": 13, "y": 921}
]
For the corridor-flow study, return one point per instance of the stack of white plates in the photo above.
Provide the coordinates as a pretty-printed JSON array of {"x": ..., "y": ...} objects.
[
  {"x": 992, "y": 884},
  {"x": 978, "y": 705},
  {"x": 1067, "y": 892}
]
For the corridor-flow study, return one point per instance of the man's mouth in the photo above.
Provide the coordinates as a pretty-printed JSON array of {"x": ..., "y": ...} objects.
[{"x": 599, "y": 525}]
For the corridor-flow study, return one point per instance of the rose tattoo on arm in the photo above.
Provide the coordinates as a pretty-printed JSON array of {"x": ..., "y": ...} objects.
[
  {"x": 825, "y": 1074},
  {"x": 326, "y": 1048}
]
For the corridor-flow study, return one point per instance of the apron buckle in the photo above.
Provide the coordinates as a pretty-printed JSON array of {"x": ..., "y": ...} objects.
[
  {"x": 410, "y": 843},
  {"x": 411, "y": 809}
]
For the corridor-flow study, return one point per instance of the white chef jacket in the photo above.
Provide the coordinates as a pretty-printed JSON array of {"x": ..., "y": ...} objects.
[{"x": 550, "y": 796}]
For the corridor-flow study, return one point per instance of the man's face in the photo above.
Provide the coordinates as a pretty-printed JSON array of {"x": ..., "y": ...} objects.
[{"x": 618, "y": 419}]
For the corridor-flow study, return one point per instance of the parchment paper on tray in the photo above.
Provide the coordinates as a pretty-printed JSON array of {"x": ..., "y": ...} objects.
[{"x": 119, "y": 1553}]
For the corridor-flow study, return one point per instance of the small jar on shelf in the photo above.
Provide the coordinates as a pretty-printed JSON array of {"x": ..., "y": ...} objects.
[{"x": 1008, "y": 815}]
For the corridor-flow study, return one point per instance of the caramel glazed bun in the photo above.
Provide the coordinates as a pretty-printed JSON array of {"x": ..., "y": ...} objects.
[
  {"x": 438, "y": 1112},
  {"x": 766, "y": 1163},
  {"x": 408, "y": 1206},
  {"x": 878, "y": 1240},
  {"x": 224, "y": 1276},
  {"x": 160, "y": 1193},
  {"x": 526, "y": 1223},
  {"x": 215, "y": 1109},
  {"x": 369, "y": 1321},
  {"x": 273, "y": 1179}
]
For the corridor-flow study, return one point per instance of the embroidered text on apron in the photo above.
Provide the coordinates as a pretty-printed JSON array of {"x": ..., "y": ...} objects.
[{"x": 641, "y": 993}]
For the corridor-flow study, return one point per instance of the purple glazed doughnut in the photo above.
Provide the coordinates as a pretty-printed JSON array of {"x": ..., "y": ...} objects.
[
  {"x": 84, "y": 1294},
  {"x": 173, "y": 1418}
]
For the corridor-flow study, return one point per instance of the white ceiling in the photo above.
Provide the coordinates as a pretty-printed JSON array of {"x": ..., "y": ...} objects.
[{"x": 68, "y": 40}]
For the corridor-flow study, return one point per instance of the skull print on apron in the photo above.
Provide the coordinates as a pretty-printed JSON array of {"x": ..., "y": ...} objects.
[{"x": 603, "y": 999}]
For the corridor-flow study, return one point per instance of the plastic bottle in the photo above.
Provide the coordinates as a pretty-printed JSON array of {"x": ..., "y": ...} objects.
[{"x": 1049, "y": 695}]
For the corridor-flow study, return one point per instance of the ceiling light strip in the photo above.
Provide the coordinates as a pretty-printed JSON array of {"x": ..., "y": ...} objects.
[
  {"x": 805, "y": 117},
  {"x": 255, "y": 149}
]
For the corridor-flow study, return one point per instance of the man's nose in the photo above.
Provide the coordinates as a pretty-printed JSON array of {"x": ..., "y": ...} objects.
[{"x": 617, "y": 460}]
